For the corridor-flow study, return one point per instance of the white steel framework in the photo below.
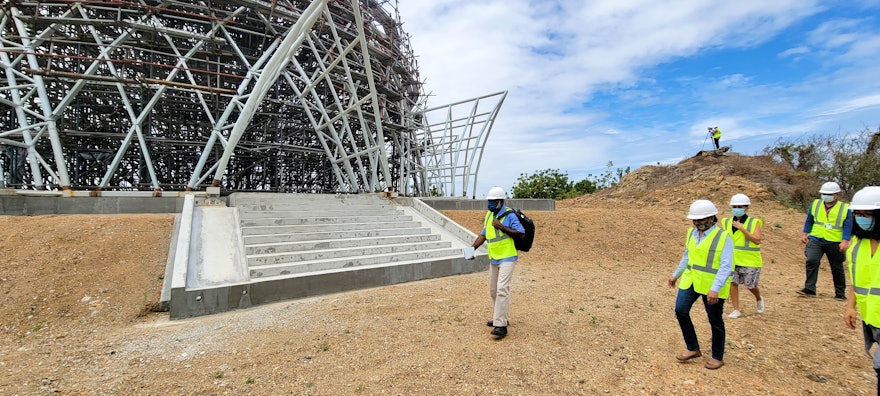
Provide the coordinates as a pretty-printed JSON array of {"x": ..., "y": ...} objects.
[{"x": 247, "y": 95}]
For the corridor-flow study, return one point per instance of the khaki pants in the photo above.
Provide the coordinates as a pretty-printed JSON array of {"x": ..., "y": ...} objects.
[{"x": 499, "y": 289}]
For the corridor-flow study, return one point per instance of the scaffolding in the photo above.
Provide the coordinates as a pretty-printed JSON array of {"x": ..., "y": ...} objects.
[{"x": 287, "y": 96}]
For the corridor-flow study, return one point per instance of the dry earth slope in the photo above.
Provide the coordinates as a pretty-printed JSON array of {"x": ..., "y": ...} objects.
[{"x": 590, "y": 315}]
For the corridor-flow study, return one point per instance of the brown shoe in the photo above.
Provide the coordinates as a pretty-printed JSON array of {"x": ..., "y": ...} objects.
[
  {"x": 688, "y": 355},
  {"x": 714, "y": 364}
]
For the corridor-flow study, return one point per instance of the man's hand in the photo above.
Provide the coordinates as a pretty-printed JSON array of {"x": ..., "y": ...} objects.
[
  {"x": 712, "y": 297},
  {"x": 804, "y": 238},
  {"x": 844, "y": 245},
  {"x": 849, "y": 317},
  {"x": 497, "y": 224},
  {"x": 671, "y": 282},
  {"x": 737, "y": 225}
]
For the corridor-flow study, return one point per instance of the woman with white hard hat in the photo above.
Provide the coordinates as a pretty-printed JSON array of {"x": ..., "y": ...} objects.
[
  {"x": 864, "y": 271},
  {"x": 703, "y": 273},
  {"x": 747, "y": 262}
]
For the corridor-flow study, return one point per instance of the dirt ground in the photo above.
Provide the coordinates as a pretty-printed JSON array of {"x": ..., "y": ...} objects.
[{"x": 591, "y": 314}]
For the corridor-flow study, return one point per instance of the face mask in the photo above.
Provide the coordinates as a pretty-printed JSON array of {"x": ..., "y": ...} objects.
[
  {"x": 738, "y": 212},
  {"x": 865, "y": 223},
  {"x": 493, "y": 206},
  {"x": 827, "y": 198},
  {"x": 704, "y": 224}
]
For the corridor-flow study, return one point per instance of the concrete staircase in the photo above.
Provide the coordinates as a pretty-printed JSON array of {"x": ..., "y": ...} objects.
[{"x": 295, "y": 245}]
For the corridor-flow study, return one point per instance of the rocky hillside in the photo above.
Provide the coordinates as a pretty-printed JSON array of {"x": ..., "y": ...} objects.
[{"x": 716, "y": 178}]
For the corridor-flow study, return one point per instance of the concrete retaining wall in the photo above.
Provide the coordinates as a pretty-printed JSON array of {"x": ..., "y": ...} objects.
[{"x": 12, "y": 204}]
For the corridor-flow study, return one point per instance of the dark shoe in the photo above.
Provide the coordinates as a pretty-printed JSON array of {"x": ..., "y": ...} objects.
[
  {"x": 688, "y": 355},
  {"x": 491, "y": 323},
  {"x": 840, "y": 298},
  {"x": 714, "y": 364},
  {"x": 499, "y": 331},
  {"x": 806, "y": 292}
]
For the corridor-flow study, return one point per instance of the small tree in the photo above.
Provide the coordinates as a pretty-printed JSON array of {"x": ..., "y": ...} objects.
[
  {"x": 610, "y": 177},
  {"x": 585, "y": 186},
  {"x": 547, "y": 183}
]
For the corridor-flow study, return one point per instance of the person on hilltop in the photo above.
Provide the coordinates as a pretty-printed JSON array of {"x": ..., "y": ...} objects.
[
  {"x": 864, "y": 271},
  {"x": 716, "y": 136},
  {"x": 747, "y": 262},
  {"x": 703, "y": 272},
  {"x": 826, "y": 232},
  {"x": 502, "y": 256}
]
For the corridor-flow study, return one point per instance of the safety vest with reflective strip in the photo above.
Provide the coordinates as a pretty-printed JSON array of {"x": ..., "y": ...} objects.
[
  {"x": 704, "y": 260},
  {"x": 828, "y": 226},
  {"x": 716, "y": 133},
  {"x": 501, "y": 245},
  {"x": 864, "y": 270},
  {"x": 745, "y": 253}
]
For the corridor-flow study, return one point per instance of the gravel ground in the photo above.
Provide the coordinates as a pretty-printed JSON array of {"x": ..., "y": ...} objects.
[{"x": 591, "y": 314}]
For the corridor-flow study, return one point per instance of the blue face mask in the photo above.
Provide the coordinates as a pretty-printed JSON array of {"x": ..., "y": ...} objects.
[
  {"x": 493, "y": 206},
  {"x": 827, "y": 197},
  {"x": 738, "y": 212},
  {"x": 865, "y": 223}
]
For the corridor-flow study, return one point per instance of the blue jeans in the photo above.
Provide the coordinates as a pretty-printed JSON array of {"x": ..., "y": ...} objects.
[{"x": 683, "y": 303}]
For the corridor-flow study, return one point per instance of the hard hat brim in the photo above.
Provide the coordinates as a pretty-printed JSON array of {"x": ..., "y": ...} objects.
[{"x": 699, "y": 217}]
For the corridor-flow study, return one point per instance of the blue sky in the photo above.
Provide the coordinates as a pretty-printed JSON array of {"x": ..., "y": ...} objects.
[{"x": 637, "y": 82}]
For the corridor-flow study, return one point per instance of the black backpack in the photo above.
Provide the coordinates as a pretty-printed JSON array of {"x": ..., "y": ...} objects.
[{"x": 524, "y": 242}]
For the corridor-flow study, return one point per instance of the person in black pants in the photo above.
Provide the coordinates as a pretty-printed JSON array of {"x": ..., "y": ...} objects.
[{"x": 826, "y": 232}]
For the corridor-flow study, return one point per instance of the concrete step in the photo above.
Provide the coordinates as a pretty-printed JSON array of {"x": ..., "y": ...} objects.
[
  {"x": 354, "y": 252},
  {"x": 318, "y": 219},
  {"x": 336, "y": 243},
  {"x": 348, "y": 263},
  {"x": 313, "y": 212},
  {"x": 290, "y": 246},
  {"x": 330, "y": 227},
  {"x": 294, "y": 202},
  {"x": 250, "y": 240}
]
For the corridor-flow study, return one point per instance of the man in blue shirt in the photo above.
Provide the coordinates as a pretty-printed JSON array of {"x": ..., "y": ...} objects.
[
  {"x": 500, "y": 226},
  {"x": 826, "y": 232}
]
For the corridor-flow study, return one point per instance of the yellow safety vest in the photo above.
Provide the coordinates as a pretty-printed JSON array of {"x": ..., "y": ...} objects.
[
  {"x": 745, "y": 253},
  {"x": 828, "y": 226},
  {"x": 864, "y": 271},
  {"x": 704, "y": 260},
  {"x": 716, "y": 134},
  {"x": 501, "y": 245}
]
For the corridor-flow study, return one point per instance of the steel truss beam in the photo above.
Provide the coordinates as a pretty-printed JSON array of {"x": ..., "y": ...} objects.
[{"x": 289, "y": 96}]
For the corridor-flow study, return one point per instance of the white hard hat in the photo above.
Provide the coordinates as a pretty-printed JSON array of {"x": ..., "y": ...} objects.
[
  {"x": 701, "y": 209},
  {"x": 867, "y": 198},
  {"x": 740, "y": 199},
  {"x": 496, "y": 193},
  {"x": 830, "y": 188}
]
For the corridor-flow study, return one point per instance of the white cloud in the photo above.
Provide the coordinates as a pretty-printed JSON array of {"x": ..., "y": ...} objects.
[{"x": 560, "y": 60}]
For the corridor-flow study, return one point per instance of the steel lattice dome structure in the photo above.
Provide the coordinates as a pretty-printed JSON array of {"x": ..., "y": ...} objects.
[{"x": 284, "y": 96}]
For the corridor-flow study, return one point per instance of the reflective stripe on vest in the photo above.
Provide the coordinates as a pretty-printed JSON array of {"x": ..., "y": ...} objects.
[
  {"x": 501, "y": 245},
  {"x": 745, "y": 253},
  {"x": 710, "y": 258},
  {"x": 867, "y": 295},
  {"x": 822, "y": 226}
]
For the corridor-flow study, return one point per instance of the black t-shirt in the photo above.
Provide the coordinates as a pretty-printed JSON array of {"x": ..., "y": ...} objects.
[{"x": 741, "y": 220}]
